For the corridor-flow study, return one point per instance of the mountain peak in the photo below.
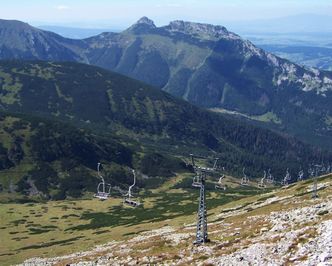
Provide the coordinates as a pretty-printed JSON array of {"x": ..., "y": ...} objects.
[
  {"x": 146, "y": 21},
  {"x": 144, "y": 24}
]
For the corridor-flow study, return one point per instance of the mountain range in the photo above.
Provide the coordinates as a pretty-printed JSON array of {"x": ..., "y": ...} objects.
[
  {"x": 200, "y": 88},
  {"x": 204, "y": 64}
]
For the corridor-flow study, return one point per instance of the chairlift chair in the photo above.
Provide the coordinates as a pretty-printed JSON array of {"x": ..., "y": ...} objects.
[
  {"x": 300, "y": 175},
  {"x": 287, "y": 178},
  {"x": 245, "y": 178},
  {"x": 323, "y": 169},
  {"x": 328, "y": 169},
  {"x": 270, "y": 178},
  {"x": 261, "y": 183},
  {"x": 219, "y": 185},
  {"x": 103, "y": 189},
  {"x": 129, "y": 199},
  {"x": 196, "y": 181},
  {"x": 317, "y": 170},
  {"x": 311, "y": 171}
]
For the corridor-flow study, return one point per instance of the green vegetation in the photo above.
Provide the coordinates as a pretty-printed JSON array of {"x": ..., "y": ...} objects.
[
  {"x": 124, "y": 124},
  {"x": 32, "y": 229},
  {"x": 209, "y": 67},
  {"x": 10, "y": 88},
  {"x": 61, "y": 227}
]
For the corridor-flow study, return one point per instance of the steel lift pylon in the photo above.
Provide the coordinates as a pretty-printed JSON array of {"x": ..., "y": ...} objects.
[
  {"x": 201, "y": 229},
  {"x": 201, "y": 172}
]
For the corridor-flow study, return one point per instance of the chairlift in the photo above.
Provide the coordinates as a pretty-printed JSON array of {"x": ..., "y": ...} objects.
[
  {"x": 197, "y": 181},
  {"x": 323, "y": 169},
  {"x": 219, "y": 185},
  {"x": 328, "y": 169},
  {"x": 245, "y": 178},
  {"x": 317, "y": 170},
  {"x": 286, "y": 179},
  {"x": 103, "y": 189},
  {"x": 270, "y": 178},
  {"x": 129, "y": 197},
  {"x": 300, "y": 175},
  {"x": 261, "y": 183},
  {"x": 311, "y": 171}
]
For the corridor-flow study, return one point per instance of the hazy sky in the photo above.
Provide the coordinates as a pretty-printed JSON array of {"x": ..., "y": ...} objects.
[{"x": 122, "y": 13}]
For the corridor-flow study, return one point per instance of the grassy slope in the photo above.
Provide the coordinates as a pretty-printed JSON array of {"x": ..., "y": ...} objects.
[{"x": 58, "y": 228}]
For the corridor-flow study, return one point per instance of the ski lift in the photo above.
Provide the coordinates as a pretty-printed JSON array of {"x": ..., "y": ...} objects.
[
  {"x": 103, "y": 189},
  {"x": 314, "y": 190},
  {"x": 219, "y": 185},
  {"x": 328, "y": 169},
  {"x": 323, "y": 169},
  {"x": 245, "y": 178},
  {"x": 311, "y": 171},
  {"x": 317, "y": 169},
  {"x": 197, "y": 181},
  {"x": 286, "y": 179},
  {"x": 300, "y": 175},
  {"x": 261, "y": 183},
  {"x": 129, "y": 197},
  {"x": 270, "y": 178}
]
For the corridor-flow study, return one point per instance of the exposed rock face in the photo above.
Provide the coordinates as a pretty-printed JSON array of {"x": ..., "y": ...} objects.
[
  {"x": 143, "y": 25},
  {"x": 147, "y": 21},
  {"x": 200, "y": 30}
]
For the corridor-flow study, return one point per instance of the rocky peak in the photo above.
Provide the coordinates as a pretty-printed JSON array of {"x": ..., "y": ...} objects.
[
  {"x": 143, "y": 25},
  {"x": 146, "y": 21},
  {"x": 200, "y": 29}
]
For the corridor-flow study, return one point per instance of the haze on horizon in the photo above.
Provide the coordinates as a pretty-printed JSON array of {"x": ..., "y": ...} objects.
[{"x": 122, "y": 13}]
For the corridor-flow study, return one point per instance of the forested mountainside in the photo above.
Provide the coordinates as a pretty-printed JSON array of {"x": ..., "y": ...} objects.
[
  {"x": 204, "y": 64},
  {"x": 141, "y": 119}
]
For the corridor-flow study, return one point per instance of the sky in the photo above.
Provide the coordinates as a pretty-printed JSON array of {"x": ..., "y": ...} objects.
[{"x": 123, "y": 13}]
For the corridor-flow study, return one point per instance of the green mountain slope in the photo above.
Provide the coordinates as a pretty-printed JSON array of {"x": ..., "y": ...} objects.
[
  {"x": 22, "y": 41},
  {"x": 50, "y": 159},
  {"x": 214, "y": 68},
  {"x": 109, "y": 103}
]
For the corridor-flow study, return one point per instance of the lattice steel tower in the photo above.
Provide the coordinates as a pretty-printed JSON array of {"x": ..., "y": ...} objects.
[
  {"x": 199, "y": 182},
  {"x": 201, "y": 230}
]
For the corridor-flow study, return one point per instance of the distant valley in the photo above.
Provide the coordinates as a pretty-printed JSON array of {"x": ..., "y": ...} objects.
[{"x": 310, "y": 56}]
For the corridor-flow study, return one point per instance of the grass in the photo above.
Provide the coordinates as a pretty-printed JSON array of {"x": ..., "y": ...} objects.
[
  {"x": 62, "y": 227},
  {"x": 268, "y": 117}
]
